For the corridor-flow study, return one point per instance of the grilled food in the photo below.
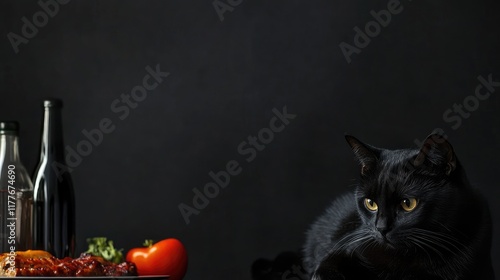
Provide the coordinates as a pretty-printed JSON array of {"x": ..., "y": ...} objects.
[{"x": 41, "y": 263}]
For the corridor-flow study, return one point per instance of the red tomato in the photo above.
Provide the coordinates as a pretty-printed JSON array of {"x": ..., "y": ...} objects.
[{"x": 166, "y": 257}]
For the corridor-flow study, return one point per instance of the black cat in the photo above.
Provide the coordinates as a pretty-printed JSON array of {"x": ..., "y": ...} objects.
[{"x": 413, "y": 215}]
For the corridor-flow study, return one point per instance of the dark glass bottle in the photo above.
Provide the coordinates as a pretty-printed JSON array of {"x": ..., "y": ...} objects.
[
  {"x": 16, "y": 193},
  {"x": 54, "y": 201}
]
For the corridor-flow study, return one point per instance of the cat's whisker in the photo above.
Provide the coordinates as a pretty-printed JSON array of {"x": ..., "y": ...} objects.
[
  {"x": 433, "y": 241},
  {"x": 358, "y": 240},
  {"x": 367, "y": 244},
  {"x": 460, "y": 262},
  {"x": 424, "y": 243},
  {"x": 445, "y": 241},
  {"x": 345, "y": 241},
  {"x": 439, "y": 240},
  {"x": 351, "y": 239},
  {"x": 449, "y": 228},
  {"x": 349, "y": 236},
  {"x": 416, "y": 243}
]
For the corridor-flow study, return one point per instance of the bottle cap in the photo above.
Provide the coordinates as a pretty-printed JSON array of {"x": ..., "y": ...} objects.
[
  {"x": 52, "y": 102},
  {"x": 9, "y": 127}
]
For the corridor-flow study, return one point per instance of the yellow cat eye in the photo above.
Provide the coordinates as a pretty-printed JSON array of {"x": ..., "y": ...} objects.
[
  {"x": 371, "y": 205},
  {"x": 409, "y": 204}
]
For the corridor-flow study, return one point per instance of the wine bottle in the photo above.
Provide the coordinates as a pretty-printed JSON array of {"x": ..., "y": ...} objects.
[
  {"x": 54, "y": 201},
  {"x": 16, "y": 193}
]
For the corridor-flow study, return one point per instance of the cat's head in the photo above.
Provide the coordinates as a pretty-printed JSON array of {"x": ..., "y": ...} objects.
[{"x": 402, "y": 192}]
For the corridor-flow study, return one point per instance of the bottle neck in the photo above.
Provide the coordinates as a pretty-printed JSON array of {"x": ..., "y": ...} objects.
[
  {"x": 52, "y": 137},
  {"x": 9, "y": 148}
]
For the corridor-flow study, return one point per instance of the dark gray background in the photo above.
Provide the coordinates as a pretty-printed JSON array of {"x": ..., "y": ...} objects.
[{"x": 225, "y": 79}]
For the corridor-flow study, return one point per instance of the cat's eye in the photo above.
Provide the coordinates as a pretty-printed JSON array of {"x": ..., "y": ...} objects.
[
  {"x": 409, "y": 204},
  {"x": 371, "y": 205}
]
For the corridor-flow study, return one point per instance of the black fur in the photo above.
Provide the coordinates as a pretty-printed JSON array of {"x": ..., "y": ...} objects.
[{"x": 447, "y": 235}]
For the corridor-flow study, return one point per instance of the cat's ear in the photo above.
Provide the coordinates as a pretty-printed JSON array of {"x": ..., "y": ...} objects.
[
  {"x": 366, "y": 154},
  {"x": 437, "y": 152}
]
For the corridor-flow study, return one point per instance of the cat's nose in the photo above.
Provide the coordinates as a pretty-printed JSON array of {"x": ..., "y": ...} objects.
[
  {"x": 382, "y": 225},
  {"x": 383, "y": 230}
]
